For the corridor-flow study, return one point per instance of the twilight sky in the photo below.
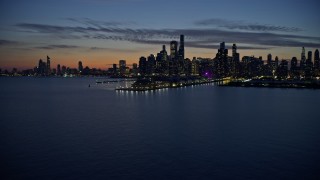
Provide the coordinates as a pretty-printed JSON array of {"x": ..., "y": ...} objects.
[{"x": 101, "y": 32}]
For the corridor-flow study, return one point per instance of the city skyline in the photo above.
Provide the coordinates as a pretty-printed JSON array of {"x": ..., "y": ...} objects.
[
  {"x": 173, "y": 64},
  {"x": 177, "y": 52},
  {"x": 100, "y": 33}
]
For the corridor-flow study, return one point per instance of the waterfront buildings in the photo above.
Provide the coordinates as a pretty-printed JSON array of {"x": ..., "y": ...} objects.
[{"x": 222, "y": 65}]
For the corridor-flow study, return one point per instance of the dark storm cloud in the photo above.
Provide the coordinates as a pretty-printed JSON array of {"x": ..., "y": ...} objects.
[
  {"x": 198, "y": 38},
  {"x": 242, "y": 25},
  {"x": 51, "y": 47}
]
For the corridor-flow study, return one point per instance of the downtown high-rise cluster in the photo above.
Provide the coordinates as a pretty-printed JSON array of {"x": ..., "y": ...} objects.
[
  {"x": 250, "y": 66},
  {"x": 222, "y": 65},
  {"x": 174, "y": 63},
  {"x": 166, "y": 64}
]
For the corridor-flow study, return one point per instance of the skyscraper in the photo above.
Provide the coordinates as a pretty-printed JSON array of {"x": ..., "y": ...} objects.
[
  {"x": 143, "y": 65},
  {"x": 308, "y": 68},
  {"x": 173, "y": 50},
  {"x": 316, "y": 54},
  {"x": 48, "y": 68},
  {"x": 294, "y": 68},
  {"x": 164, "y": 54},
  {"x": 316, "y": 60},
  {"x": 151, "y": 64},
  {"x": 309, "y": 63},
  {"x": 40, "y": 63},
  {"x": 234, "y": 50},
  {"x": 63, "y": 70},
  {"x": 221, "y": 63},
  {"x": 114, "y": 69},
  {"x": 309, "y": 56},
  {"x": 181, "y": 48},
  {"x": 162, "y": 61},
  {"x": 235, "y": 61},
  {"x": 80, "y": 67},
  {"x": 294, "y": 63},
  {"x": 122, "y": 67},
  {"x": 41, "y": 69},
  {"x": 303, "y": 58},
  {"x": 235, "y": 54},
  {"x": 135, "y": 69},
  {"x": 195, "y": 66},
  {"x": 58, "y": 70},
  {"x": 283, "y": 69},
  {"x": 269, "y": 59},
  {"x": 276, "y": 61},
  {"x": 222, "y": 45}
]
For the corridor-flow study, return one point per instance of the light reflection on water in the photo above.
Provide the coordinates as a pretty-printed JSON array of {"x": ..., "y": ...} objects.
[{"x": 62, "y": 128}]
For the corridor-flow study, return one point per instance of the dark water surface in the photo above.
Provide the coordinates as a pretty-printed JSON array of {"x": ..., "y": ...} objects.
[{"x": 59, "y": 128}]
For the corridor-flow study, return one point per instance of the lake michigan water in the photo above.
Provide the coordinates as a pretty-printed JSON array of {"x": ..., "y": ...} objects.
[{"x": 59, "y": 128}]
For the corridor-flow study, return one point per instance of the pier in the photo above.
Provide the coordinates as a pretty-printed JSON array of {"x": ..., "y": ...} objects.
[{"x": 151, "y": 84}]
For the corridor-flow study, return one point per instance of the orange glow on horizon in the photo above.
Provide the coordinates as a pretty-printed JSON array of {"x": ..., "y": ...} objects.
[{"x": 104, "y": 60}]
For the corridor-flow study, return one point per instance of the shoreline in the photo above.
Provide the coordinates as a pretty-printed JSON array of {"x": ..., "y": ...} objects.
[
  {"x": 275, "y": 84},
  {"x": 165, "y": 85}
]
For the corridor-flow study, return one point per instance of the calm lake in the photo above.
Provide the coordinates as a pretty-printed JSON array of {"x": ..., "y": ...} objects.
[{"x": 59, "y": 128}]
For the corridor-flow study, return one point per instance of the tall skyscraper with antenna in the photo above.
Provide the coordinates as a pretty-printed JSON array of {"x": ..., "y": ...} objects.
[
  {"x": 303, "y": 58},
  {"x": 181, "y": 48}
]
